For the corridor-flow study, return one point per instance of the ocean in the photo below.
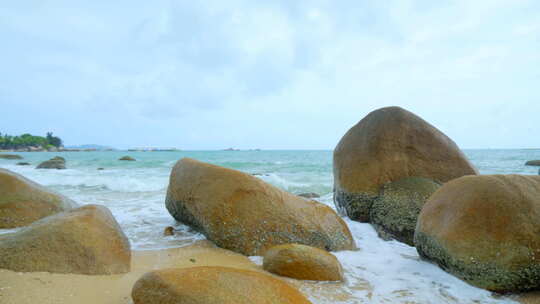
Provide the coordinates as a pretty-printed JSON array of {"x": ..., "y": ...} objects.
[{"x": 379, "y": 272}]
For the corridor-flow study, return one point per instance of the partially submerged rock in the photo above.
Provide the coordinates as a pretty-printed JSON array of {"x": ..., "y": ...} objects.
[
  {"x": 213, "y": 285},
  {"x": 533, "y": 163},
  {"x": 23, "y": 201},
  {"x": 242, "y": 213},
  {"x": 86, "y": 240},
  {"x": 23, "y": 164},
  {"x": 388, "y": 145},
  {"x": 56, "y": 162},
  {"x": 485, "y": 230},
  {"x": 302, "y": 262},
  {"x": 309, "y": 195},
  {"x": 395, "y": 211},
  {"x": 168, "y": 231},
  {"x": 10, "y": 156},
  {"x": 128, "y": 158}
]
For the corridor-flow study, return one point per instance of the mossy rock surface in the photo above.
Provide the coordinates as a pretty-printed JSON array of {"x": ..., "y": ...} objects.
[
  {"x": 388, "y": 145},
  {"x": 485, "y": 230},
  {"x": 395, "y": 212}
]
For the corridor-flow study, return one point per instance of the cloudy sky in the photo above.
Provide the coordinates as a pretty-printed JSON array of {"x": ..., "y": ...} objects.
[{"x": 268, "y": 74}]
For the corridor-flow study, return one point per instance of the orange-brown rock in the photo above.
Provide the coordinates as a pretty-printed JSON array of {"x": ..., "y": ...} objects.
[
  {"x": 388, "y": 145},
  {"x": 86, "y": 240},
  {"x": 22, "y": 201},
  {"x": 213, "y": 285},
  {"x": 485, "y": 230},
  {"x": 302, "y": 262},
  {"x": 242, "y": 213}
]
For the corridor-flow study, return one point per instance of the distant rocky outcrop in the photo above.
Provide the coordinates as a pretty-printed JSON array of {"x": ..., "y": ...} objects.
[
  {"x": 23, "y": 164},
  {"x": 302, "y": 262},
  {"x": 213, "y": 285},
  {"x": 309, "y": 195},
  {"x": 22, "y": 201},
  {"x": 86, "y": 240},
  {"x": 10, "y": 156},
  {"x": 388, "y": 145},
  {"x": 533, "y": 163},
  {"x": 56, "y": 162},
  {"x": 128, "y": 158},
  {"x": 485, "y": 230},
  {"x": 242, "y": 213},
  {"x": 395, "y": 211}
]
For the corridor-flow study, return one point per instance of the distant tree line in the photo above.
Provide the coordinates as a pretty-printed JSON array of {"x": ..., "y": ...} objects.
[{"x": 28, "y": 140}]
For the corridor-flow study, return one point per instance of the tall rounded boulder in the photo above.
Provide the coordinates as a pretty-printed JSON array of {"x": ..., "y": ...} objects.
[
  {"x": 388, "y": 145},
  {"x": 22, "y": 201},
  {"x": 213, "y": 285},
  {"x": 485, "y": 230},
  {"x": 242, "y": 213},
  {"x": 86, "y": 240}
]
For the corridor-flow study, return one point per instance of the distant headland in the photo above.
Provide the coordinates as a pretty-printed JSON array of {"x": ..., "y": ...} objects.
[{"x": 28, "y": 143}]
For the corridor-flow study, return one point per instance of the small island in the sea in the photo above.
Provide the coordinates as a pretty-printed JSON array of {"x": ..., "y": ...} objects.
[{"x": 30, "y": 143}]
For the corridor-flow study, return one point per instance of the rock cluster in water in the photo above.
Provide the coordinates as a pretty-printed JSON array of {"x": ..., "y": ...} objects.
[
  {"x": 56, "y": 162},
  {"x": 533, "y": 163},
  {"x": 128, "y": 158},
  {"x": 242, "y": 213}
]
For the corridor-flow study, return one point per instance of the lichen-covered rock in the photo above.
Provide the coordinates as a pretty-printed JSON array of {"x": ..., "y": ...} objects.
[
  {"x": 302, "y": 262},
  {"x": 86, "y": 240},
  {"x": 242, "y": 213},
  {"x": 213, "y": 285},
  {"x": 128, "y": 158},
  {"x": 395, "y": 211},
  {"x": 56, "y": 162},
  {"x": 10, "y": 156},
  {"x": 387, "y": 145},
  {"x": 485, "y": 230},
  {"x": 22, "y": 201},
  {"x": 533, "y": 163}
]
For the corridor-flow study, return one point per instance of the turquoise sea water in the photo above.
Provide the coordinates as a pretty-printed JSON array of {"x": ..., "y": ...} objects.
[{"x": 135, "y": 193}]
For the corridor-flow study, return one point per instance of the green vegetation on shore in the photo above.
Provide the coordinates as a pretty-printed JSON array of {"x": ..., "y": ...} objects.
[{"x": 27, "y": 140}]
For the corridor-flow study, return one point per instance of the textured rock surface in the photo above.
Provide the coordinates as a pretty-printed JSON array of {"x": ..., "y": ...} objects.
[
  {"x": 390, "y": 144},
  {"x": 302, "y": 262},
  {"x": 309, "y": 195},
  {"x": 241, "y": 213},
  {"x": 395, "y": 211},
  {"x": 213, "y": 285},
  {"x": 22, "y": 201},
  {"x": 485, "y": 230},
  {"x": 86, "y": 240}
]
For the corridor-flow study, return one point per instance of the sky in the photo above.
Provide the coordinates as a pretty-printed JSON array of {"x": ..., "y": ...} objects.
[{"x": 277, "y": 74}]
